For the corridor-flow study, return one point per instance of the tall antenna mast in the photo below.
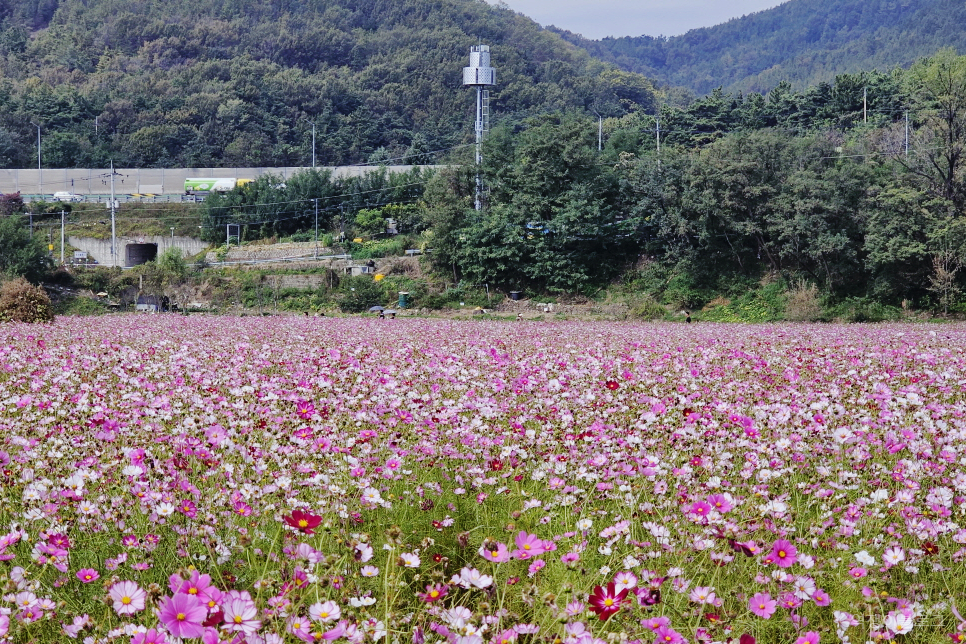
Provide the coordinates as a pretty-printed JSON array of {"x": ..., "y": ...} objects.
[{"x": 480, "y": 75}]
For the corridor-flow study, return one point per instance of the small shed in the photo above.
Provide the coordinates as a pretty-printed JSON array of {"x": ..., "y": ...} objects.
[{"x": 148, "y": 304}]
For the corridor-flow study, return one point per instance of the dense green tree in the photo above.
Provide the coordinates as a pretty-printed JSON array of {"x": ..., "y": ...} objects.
[{"x": 21, "y": 255}]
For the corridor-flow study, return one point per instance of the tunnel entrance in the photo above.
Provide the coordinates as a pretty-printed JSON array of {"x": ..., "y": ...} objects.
[{"x": 137, "y": 254}]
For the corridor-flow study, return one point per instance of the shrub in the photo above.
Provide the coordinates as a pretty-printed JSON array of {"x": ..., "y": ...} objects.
[
  {"x": 856, "y": 309},
  {"x": 804, "y": 303},
  {"x": 20, "y": 301},
  {"x": 647, "y": 308}
]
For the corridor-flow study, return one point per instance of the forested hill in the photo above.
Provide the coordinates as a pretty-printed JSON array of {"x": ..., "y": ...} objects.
[
  {"x": 239, "y": 82},
  {"x": 804, "y": 42}
]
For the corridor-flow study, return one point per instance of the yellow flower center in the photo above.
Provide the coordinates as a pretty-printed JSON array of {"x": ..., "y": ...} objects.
[
  {"x": 434, "y": 594},
  {"x": 125, "y": 600},
  {"x": 494, "y": 553},
  {"x": 181, "y": 617},
  {"x": 192, "y": 591},
  {"x": 303, "y": 523},
  {"x": 608, "y": 602},
  {"x": 526, "y": 546},
  {"x": 238, "y": 619},
  {"x": 323, "y": 615},
  {"x": 781, "y": 553}
]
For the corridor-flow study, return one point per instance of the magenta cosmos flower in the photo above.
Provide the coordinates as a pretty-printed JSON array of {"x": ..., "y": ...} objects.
[
  {"x": 606, "y": 600},
  {"x": 128, "y": 597},
  {"x": 183, "y": 615},
  {"x": 304, "y": 522},
  {"x": 783, "y": 553},
  {"x": 87, "y": 575}
]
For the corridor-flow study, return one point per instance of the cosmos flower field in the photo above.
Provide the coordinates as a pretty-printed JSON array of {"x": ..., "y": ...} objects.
[{"x": 255, "y": 480}]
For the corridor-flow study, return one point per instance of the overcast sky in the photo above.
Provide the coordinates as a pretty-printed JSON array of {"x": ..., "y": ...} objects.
[{"x": 599, "y": 18}]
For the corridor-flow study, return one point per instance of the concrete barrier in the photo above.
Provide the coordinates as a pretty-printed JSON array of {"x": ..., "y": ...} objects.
[{"x": 90, "y": 182}]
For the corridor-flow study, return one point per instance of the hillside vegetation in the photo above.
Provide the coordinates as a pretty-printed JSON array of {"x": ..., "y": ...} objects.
[
  {"x": 806, "y": 191},
  {"x": 803, "y": 42},
  {"x": 153, "y": 83}
]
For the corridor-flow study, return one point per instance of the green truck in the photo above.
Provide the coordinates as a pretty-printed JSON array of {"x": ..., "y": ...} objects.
[{"x": 212, "y": 184}]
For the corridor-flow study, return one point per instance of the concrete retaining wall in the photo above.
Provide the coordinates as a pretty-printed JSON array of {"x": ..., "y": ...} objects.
[{"x": 100, "y": 249}]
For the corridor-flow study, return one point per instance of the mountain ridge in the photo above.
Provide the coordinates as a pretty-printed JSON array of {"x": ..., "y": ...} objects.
[{"x": 802, "y": 42}]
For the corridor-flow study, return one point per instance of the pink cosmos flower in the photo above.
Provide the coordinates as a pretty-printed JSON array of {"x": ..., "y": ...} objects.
[
  {"x": 762, "y": 605},
  {"x": 153, "y": 636},
  {"x": 299, "y": 627},
  {"x": 87, "y": 575},
  {"x": 497, "y": 553},
  {"x": 654, "y": 623},
  {"x": 570, "y": 558},
  {"x": 625, "y": 579},
  {"x": 783, "y": 553},
  {"x": 574, "y": 608},
  {"x": 241, "y": 616},
  {"x": 667, "y": 635},
  {"x": 528, "y": 545},
  {"x": 720, "y": 503},
  {"x": 128, "y": 597},
  {"x": 182, "y": 615},
  {"x": 789, "y": 600},
  {"x": 327, "y": 611},
  {"x": 811, "y": 637},
  {"x": 196, "y": 585},
  {"x": 535, "y": 567},
  {"x": 703, "y": 595}
]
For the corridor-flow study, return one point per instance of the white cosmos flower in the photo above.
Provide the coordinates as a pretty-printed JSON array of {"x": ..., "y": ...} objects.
[
  {"x": 893, "y": 556},
  {"x": 899, "y": 623},
  {"x": 864, "y": 558},
  {"x": 472, "y": 578},
  {"x": 359, "y": 602},
  {"x": 164, "y": 509},
  {"x": 409, "y": 559}
]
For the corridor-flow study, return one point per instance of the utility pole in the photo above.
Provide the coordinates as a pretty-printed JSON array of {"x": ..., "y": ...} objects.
[
  {"x": 865, "y": 104},
  {"x": 313, "y": 145},
  {"x": 62, "y": 215},
  {"x": 657, "y": 121},
  {"x": 316, "y": 228},
  {"x": 113, "y": 225}
]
